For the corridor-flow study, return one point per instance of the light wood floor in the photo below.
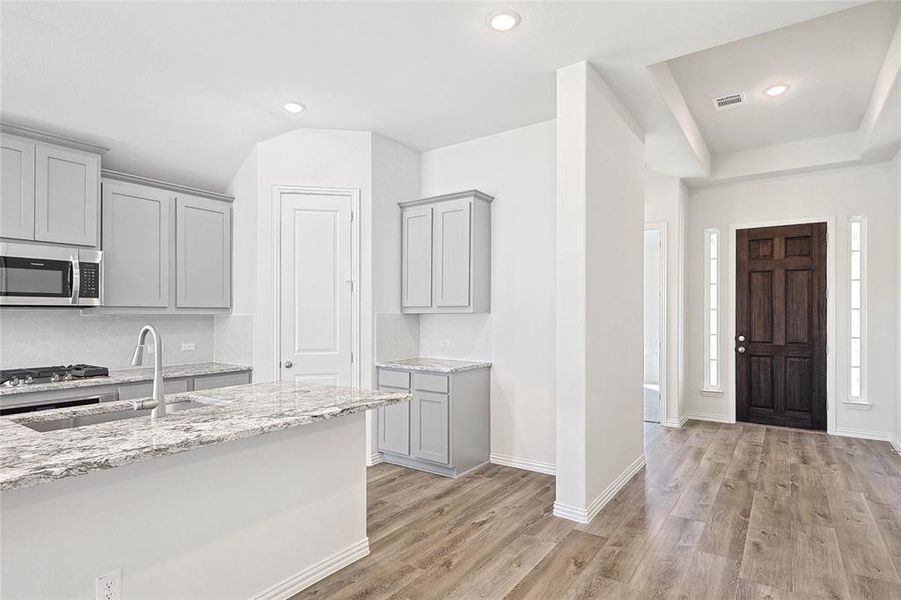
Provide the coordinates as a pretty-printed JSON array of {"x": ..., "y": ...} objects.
[{"x": 722, "y": 511}]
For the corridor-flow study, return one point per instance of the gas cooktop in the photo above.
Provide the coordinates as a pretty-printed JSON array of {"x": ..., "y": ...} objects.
[{"x": 11, "y": 377}]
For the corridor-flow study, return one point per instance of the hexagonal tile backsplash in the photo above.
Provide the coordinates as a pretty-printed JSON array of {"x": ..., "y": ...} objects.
[{"x": 40, "y": 337}]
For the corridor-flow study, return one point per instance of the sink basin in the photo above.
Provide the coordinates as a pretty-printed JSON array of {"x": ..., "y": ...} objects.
[{"x": 117, "y": 415}]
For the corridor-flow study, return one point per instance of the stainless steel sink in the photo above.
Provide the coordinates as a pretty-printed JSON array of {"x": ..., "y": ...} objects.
[{"x": 118, "y": 415}]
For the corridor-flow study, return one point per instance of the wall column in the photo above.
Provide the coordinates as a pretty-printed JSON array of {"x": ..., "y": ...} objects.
[{"x": 599, "y": 345}]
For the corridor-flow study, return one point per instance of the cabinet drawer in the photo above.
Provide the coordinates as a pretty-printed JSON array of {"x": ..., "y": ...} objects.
[
  {"x": 430, "y": 383},
  {"x": 395, "y": 379},
  {"x": 134, "y": 391},
  {"x": 209, "y": 382}
]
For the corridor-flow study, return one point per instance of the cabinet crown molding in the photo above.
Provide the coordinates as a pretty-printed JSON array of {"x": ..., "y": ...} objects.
[
  {"x": 456, "y": 195},
  {"x": 164, "y": 185},
  {"x": 52, "y": 138}
]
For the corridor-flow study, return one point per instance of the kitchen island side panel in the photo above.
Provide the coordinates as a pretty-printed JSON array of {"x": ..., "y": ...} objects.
[{"x": 225, "y": 521}]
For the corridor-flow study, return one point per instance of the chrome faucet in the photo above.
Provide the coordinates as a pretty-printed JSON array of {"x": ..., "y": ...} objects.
[{"x": 158, "y": 399}]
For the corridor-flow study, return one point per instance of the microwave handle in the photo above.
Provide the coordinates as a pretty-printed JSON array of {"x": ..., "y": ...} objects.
[{"x": 76, "y": 280}]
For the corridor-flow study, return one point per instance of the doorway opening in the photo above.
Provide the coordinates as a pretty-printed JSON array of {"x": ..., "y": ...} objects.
[
  {"x": 654, "y": 384},
  {"x": 781, "y": 325}
]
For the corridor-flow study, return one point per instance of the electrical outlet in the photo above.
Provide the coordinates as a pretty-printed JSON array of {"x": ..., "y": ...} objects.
[
  {"x": 150, "y": 348},
  {"x": 109, "y": 586},
  {"x": 188, "y": 346},
  {"x": 443, "y": 343}
]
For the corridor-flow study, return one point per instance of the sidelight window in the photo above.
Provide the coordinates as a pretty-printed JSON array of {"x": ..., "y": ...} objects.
[
  {"x": 857, "y": 354},
  {"x": 712, "y": 364}
]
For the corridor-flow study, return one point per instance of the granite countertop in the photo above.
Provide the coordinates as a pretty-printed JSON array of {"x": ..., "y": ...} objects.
[
  {"x": 29, "y": 457},
  {"x": 433, "y": 365},
  {"x": 132, "y": 375}
]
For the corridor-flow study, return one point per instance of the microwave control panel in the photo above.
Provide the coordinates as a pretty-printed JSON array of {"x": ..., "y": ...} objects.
[{"x": 90, "y": 280}]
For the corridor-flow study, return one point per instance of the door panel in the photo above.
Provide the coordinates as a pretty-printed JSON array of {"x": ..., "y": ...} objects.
[
  {"x": 781, "y": 311},
  {"x": 417, "y": 257},
  {"x": 316, "y": 292},
  {"x": 135, "y": 240},
  {"x": 66, "y": 196},
  {"x": 452, "y": 244},
  {"x": 202, "y": 253},
  {"x": 394, "y": 427},
  {"x": 16, "y": 188},
  {"x": 429, "y": 431}
]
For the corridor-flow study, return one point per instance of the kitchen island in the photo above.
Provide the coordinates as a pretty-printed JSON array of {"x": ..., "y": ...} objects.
[{"x": 256, "y": 490}]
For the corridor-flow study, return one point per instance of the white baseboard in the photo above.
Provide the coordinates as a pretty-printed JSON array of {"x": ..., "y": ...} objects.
[
  {"x": 300, "y": 581},
  {"x": 374, "y": 459},
  {"x": 676, "y": 422},
  {"x": 712, "y": 417},
  {"x": 523, "y": 463},
  {"x": 863, "y": 434},
  {"x": 585, "y": 515}
]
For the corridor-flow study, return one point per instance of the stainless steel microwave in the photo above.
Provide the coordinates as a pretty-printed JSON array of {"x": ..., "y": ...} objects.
[{"x": 39, "y": 275}]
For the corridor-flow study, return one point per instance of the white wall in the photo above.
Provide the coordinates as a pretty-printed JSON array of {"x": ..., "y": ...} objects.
[
  {"x": 395, "y": 177},
  {"x": 304, "y": 157},
  {"x": 869, "y": 190},
  {"x": 898, "y": 295},
  {"x": 518, "y": 168},
  {"x": 665, "y": 201},
  {"x": 652, "y": 303},
  {"x": 600, "y": 215}
]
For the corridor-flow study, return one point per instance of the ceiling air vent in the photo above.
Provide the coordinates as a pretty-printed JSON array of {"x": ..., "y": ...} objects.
[{"x": 729, "y": 101}]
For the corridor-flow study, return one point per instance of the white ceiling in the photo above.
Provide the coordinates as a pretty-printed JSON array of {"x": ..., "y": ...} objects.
[
  {"x": 831, "y": 64},
  {"x": 182, "y": 90}
]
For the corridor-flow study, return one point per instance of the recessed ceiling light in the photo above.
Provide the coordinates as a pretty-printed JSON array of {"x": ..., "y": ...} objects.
[
  {"x": 776, "y": 90},
  {"x": 294, "y": 107},
  {"x": 503, "y": 20}
]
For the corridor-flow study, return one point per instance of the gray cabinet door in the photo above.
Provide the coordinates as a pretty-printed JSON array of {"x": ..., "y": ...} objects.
[
  {"x": 416, "y": 277},
  {"x": 136, "y": 245},
  {"x": 16, "y": 188},
  {"x": 202, "y": 253},
  {"x": 452, "y": 246},
  {"x": 430, "y": 426},
  {"x": 394, "y": 427},
  {"x": 66, "y": 196}
]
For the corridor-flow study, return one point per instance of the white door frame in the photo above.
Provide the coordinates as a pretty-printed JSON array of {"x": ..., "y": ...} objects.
[
  {"x": 830, "y": 309},
  {"x": 663, "y": 291},
  {"x": 277, "y": 192}
]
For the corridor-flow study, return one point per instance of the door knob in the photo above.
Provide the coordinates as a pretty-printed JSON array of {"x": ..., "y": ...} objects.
[
  {"x": 741, "y": 338},
  {"x": 741, "y": 349},
  {"x": 288, "y": 364}
]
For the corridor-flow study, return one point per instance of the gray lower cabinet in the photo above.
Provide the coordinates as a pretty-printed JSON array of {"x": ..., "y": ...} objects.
[{"x": 444, "y": 429}]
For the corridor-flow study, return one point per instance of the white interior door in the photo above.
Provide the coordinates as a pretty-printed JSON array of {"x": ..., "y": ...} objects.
[{"x": 316, "y": 337}]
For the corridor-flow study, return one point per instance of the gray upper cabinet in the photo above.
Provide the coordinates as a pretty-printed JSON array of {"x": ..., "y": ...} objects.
[
  {"x": 49, "y": 193},
  {"x": 416, "y": 278},
  {"x": 203, "y": 253},
  {"x": 16, "y": 188},
  {"x": 446, "y": 254},
  {"x": 66, "y": 196},
  {"x": 136, "y": 230}
]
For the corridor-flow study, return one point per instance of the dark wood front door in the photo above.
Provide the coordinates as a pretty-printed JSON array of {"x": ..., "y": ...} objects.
[{"x": 780, "y": 334}]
